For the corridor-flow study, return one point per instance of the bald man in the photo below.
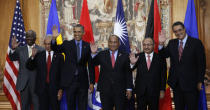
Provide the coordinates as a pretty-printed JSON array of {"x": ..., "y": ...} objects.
[{"x": 48, "y": 66}]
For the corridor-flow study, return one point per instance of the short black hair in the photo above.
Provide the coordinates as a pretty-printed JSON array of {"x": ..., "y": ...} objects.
[
  {"x": 178, "y": 23},
  {"x": 81, "y": 26},
  {"x": 31, "y": 33}
]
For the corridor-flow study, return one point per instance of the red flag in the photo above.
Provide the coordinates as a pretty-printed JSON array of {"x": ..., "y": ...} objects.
[
  {"x": 85, "y": 21},
  {"x": 157, "y": 25},
  {"x": 166, "y": 102},
  {"x": 88, "y": 37},
  {"x": 152, "y": 30}
]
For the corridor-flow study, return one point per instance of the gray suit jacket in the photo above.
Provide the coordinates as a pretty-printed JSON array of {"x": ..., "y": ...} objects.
[{"x": 25, "y": 76}]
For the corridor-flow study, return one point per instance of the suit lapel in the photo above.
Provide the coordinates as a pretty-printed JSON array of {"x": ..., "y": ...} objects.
[
  {"x": 153, "y": 61},
  {"x": 108, "y": 58},
  {"x": 83, "y": 50},
  {"x": 26, "y": 54},
  {"x": 74, "y": 49},
  {"x": 145, "y": 62},
  {"x": 119, "y": 54},
  {"x": 176, "y": 49}
]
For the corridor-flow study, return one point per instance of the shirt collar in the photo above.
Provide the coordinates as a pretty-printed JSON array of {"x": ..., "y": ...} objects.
[
  {"x": 151, "y": 54},
  {"x": 31, "y": 46},
  {"x": 185, "y": 39},
  {"x": 80, "y": 42},
  {"x": 115, "y": 52}
]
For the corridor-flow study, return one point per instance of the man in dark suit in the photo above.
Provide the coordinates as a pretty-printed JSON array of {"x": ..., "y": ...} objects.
[
  {"x": 188, "y": 64},
  {"x": 115, "y": 79},
  {"x": 26, "y": 78},
  {"x": 150, "y": 81},
  {"x": 74, "y": 75},
  {"x": 48, "y": 66}
]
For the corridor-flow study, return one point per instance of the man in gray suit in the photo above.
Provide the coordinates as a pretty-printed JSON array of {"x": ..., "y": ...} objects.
[{"x": 26, "y": 78}]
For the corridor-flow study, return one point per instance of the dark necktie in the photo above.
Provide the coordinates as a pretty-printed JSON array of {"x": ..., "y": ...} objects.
[
  {"x": 180, "y": 49},
  {"x": 78, "y": 52},
  {"x": 48, "y": 67},
  {"x": 113, "y": 60},
  {"x": 148, "y": 61}
]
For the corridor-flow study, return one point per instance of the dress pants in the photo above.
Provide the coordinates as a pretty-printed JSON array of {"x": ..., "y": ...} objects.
[
  {"x": 48, "y": 99},
  {"x": 76, "y": 96},
  {"x": 111, "y": 97},
  {"x": 185, "y": 100}
]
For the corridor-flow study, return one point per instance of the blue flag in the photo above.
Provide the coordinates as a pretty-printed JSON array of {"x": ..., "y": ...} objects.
[
  {"x": 191, "y": 26},
  {"x": 120, "y": 28},
  {"x": 190, "y": 21},
  {"x": 53, "y": 18}
]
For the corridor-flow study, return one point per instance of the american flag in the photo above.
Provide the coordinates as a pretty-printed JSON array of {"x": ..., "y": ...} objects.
[{"x": 11, "y": 68}]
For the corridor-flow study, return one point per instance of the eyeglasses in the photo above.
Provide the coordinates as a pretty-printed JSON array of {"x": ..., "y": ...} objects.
[{"x": 179, "y": 30}]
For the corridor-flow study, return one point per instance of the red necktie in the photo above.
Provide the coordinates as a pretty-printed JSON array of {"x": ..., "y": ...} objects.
[
  {"x": 180, "y": 49},
  {"x": 148, "y": 61},
  {"x": 48, "y": 67},
  {"x": 113, "y": 60}
]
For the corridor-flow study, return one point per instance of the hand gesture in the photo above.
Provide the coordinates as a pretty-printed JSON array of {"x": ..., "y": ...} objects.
[
  {"x": 91, "y": 88},
  {"x": 93, "y": 48},
  {"x": 162, "y": 94},
  {"x": 162, "y": 37},
  {"x": 55, "y": 33},
  {"x": 199, "y": 86},
  {"x": 128, "y": 94},
  {"x": 133, "y": 58},
  {"x": 60, "y": 93},
  {"x": 34, "y": 52},
  {"x": 14, "y": 43}
]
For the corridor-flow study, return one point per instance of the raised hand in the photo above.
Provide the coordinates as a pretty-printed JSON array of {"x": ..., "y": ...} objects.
[
  {"x": 34, "y": 52},
  {"x": 93, "y": 48},
  {"x": 14, "y": 43},
  {"x": 162, "y": 37},
  {"x": 55, "y": 33},
  {"x": 60, "y": 93},
  {"x": 128, "y": 94},
  {"x": 133, "y": 58}
]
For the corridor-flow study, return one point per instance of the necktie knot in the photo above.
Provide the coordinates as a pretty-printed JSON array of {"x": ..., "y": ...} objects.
[{"x": 148, "y": 56}]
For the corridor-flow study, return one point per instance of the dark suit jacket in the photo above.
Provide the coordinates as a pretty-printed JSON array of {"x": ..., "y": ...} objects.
[
  {"x": 119, "y": 77},
  {"x": 190, "y": 69},
  {"x": 24, "y": 75},
  {"x": 40, "y": 64},
  {"x": 71, "y": 64},
  {"x": 152, "y": 80}
]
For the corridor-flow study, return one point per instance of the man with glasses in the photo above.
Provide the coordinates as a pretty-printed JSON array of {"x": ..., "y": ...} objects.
[
  {"x": 150, "y": 81},
  {"x": 187, "y": 66}
]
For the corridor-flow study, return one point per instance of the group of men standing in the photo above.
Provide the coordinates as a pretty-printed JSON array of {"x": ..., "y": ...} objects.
[{"x": 44, "y": 74}]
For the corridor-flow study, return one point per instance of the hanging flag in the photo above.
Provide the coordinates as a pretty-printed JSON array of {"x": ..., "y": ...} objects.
[
  {"x": 154, "y": 24},
  {"x": 11, "y": 67},
  {"x": 53, "y": 22},
  {"x": 152, "y": 30},
  {"x": 190, "y": 21},
  {"x": 94, "y": 102},
  {"x": 191, "y": 26},
  {"x": 120, "y": 28}
]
